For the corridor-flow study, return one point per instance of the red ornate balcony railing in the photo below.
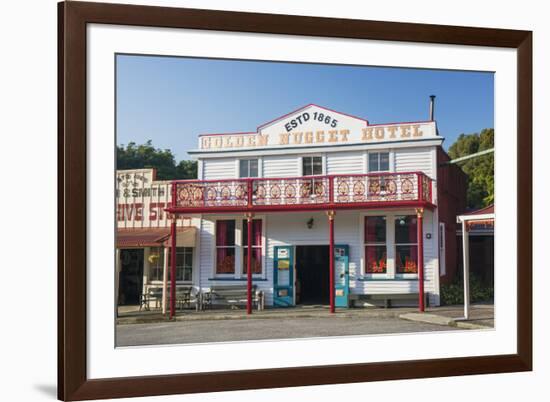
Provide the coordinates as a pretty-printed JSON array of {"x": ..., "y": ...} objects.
[{"x": 308, "y": 192}]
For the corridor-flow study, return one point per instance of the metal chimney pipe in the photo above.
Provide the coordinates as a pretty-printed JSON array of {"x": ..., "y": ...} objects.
[{"x": 432, "y": 107}]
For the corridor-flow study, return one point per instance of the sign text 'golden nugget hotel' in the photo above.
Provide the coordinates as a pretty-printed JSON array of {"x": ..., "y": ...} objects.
[
  {"x": 317, "y": 126},
  {"x": 369, "y": 134}
]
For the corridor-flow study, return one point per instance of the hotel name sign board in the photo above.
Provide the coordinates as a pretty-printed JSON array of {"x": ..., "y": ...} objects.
[{"x": 318, "y": 127}]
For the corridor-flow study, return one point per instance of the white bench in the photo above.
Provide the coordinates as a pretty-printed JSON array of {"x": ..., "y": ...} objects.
[
  {"x": 386, "y": 297},
  {"x": 231, "y": 295}
]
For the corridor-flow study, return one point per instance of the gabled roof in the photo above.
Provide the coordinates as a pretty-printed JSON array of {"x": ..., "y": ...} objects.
[
  {"x": 305, "y": 107},
  {"x": 482, "y": 211},
  {"x": 260, "y": 127}
]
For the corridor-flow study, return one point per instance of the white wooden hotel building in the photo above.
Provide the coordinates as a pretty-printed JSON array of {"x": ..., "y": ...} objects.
[{"x": 380, "y": 194}]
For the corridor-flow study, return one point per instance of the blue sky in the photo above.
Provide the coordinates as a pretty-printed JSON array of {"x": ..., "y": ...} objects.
[{"x": 171, "y": 100}]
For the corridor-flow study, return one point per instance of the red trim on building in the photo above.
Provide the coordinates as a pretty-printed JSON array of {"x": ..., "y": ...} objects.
[
  {"x": 173, "y": 235},
  {"x": 373, "y": 174},
  {"x": 305, "y": 107},
  {"x": 420, "y": 253},
  {"x": 483, "y": 211},
  {"x": 260, "y": 127},
  {"x": 249, "y": 265},
  {"x": 402, "y": 122},
  {"x": 331, "y": 259},
  {"x": 237, "y": 133},
  {"x": 308, "y": 207}
]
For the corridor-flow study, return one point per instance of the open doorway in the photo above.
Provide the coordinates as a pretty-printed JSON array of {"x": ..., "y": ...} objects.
[
  {"x": 312, "y": 275},
  {"x": 131, "y": 276}
]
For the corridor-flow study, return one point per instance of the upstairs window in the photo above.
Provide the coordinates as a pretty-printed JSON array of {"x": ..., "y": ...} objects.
[
  {"x": 248, "y": 168},
  {"x": 379, "y": 161},
  {"x": 312, "y": 165}
]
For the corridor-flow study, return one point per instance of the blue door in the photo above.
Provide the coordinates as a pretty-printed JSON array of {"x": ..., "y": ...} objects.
[
  {"x": 283, "y": 276},
  {"x": 341, "y": 275}
]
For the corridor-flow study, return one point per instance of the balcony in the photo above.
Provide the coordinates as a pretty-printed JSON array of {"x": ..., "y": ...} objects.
[{"x": 358, "y": 191}]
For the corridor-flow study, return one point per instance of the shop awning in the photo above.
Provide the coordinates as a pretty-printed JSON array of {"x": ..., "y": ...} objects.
[
  {"x": 480, "y": 218},
  {"x": 484, "y": 216},
  {"x": 185, "y": 237},
  {"x": 154, "y": 237}
]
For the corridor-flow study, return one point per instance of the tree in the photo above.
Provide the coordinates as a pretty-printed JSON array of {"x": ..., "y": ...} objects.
[
  {"x": 186, "y": 169},
  {"x": 147, "y": 156},
  {"x": 480, "y": 170}
]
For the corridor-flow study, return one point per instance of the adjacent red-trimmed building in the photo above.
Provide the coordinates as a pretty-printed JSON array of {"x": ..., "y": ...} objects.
[{"x": 143, "y": 236}]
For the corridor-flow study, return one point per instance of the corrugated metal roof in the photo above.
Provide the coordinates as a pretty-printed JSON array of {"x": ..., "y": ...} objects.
[{"x": 483, "y": 211}]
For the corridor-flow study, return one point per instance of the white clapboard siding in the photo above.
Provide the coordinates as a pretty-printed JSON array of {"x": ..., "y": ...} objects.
[
  {"x": 291, "y": 229},
  {"x": 345, "y": 162},
  {"x": 206, "y": 259},
  {"x": 415, "y": 159},
  {"x": 224, "y": 168},
  {"x": 431, "y": 268},
  {"x": 281, "y": 166}
]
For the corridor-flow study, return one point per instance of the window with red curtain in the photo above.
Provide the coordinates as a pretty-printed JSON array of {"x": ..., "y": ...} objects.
[
  {"x": 256, "y": 246},
  {"x": 406, "y": 243},
  {"x": 225, "y": 247},
  {"x": 375, "y": 245}
]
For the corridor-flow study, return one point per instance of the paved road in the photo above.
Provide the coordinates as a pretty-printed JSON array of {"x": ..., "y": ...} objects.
[{"x": 250, "y": 329}]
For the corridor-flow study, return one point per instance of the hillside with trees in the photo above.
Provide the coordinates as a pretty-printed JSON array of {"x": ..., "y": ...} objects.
[
  {"x": 134, "y": 156},
  {"x": 480, "y": 170}
]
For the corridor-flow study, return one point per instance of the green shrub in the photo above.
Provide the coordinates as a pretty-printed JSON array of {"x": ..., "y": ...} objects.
[{"x": 453, "y": 293}]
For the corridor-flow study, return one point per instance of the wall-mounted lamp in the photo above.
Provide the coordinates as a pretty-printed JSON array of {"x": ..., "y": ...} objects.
[{"x": 309, "y": 223}]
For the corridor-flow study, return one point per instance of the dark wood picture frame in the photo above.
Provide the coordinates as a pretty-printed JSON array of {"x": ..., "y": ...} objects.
[{"x": 73, "y": 17}]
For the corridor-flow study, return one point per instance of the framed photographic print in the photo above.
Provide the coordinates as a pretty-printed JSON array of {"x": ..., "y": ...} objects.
[{"x": 252, "y": 200}]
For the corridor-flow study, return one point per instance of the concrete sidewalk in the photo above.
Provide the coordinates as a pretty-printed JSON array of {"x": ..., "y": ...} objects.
[
  {"x": 482, "y": 316},
  {"x": 136, "y": 317}
]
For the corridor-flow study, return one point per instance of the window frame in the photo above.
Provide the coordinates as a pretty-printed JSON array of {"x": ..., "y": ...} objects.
[
  {"x": 405, "y": 275},
  {"x": 152, "y": 269},
  {"x": 216, "y": 247},
  {"x": 244, "y": 249},
  {"x": 248, "y": 160},
  {"x": 154, "y": 281},
  {"x": 303, "y": 159},
  {"x": 179, "y": 251},
  {"x": 379, "y": 170},
  {"x": 364, "y": 245},
  {"x": 391, "y": 271},
  {"x": 239, "y": 274}
]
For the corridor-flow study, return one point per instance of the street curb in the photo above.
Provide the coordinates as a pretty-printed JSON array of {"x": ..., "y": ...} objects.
[
  {"x": 471, "y": 325},
  {"x": 157, "y": 319},
  {"x": 427, "y": 318},
  {"x": 441, "y": 320}
]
